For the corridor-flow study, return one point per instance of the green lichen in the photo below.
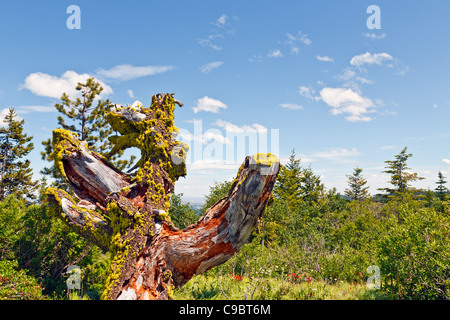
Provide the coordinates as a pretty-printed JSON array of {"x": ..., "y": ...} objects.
[{"x": 162, "y": 162}]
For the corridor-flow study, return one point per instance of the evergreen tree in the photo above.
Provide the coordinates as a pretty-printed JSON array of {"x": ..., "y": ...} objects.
[
  {"x": 441, "y": 189},
  {"x": 312, "y": 189},
  {"x": 15, "y": 145},
  {"x": 356, "y": 182},
  {"x": 288, "y": 185},
  {"x": 88, "y": 121},
  {"x": 400, "y": 178}
]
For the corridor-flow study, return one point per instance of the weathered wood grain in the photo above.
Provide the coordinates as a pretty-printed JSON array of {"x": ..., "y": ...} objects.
[{"x": 130, "y": 217}]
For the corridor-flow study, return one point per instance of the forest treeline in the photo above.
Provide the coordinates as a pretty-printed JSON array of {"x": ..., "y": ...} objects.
[{"x": 306, "y": 230}]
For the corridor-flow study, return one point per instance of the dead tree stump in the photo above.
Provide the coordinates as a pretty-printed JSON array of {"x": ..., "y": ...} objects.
[{"x": 128, "y": 215}]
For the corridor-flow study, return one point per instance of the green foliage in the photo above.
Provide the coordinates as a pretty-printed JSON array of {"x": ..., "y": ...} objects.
[
  {"x": 441, "y": 189},
  {"x": 216, "y": 192},
  {"x": 288, "y": 185},
  {"x": 16, "y": 173},
  {"x": 11, "y": 212},
  {"x": 414, "y": 254},
  {"x": 357, "y": 189},
  {"x": 82, "y": 117},
  {"x": 16, "y": 284},
  {"x": 400, "y": 178},
  {"x": 296, "y": 184},
  {"x": 181, "y": 214},
  {"x": 43, "y": 248}
]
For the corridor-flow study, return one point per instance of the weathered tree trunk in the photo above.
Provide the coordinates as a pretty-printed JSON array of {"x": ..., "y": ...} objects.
[{"x": 128, "y": 215}]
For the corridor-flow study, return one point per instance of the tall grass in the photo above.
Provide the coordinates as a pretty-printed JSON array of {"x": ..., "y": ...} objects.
[{"x": 232, "y": 287}]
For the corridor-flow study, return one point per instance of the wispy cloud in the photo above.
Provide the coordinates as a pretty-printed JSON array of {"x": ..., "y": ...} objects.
[
  {"x": 446, "y": 161},
  {"x": 228, "y": 126},
  {"x": 256, "y": 58},
  {"x": 324, "y": 59},
  {"x": 221, "y": 21},
  {"x": 215, "y": 164},
  {"x": 208, "y": 104},
  {"x": 127, "y": 71},
  {"x": 275, "y": 54},
  {"x": 307, "y": 92},
  {"x": 43, "y": 84},
  {"x": 370, "y": 58},
  {"x": 336, "y": 154},
  {"x": 294, "y": 40},
  {"x": 291, "y": 106},
  {"x": 207, "y": 68},
  {"x": 28, "y": 109},
  {"x": 205, "y": 138},
  {"x": 382, "y": 58},
  {"x": 222, "y": 27},
  {"x": 208, "y": 42}
]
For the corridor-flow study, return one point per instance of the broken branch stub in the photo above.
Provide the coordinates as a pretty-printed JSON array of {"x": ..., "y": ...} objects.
[{"x": 128, "y": 215}]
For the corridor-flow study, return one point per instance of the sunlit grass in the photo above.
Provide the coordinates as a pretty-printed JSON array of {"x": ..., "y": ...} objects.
[{"x": 206, "y": 287}]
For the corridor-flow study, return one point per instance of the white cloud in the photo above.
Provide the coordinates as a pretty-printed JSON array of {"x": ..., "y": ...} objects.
[
  {"x": 374, "y": 36},
  {"x": 275, "y": 54},
  {"x": 324, "y": 59},
  {"x": 446, "y": 161},
  {"x": 300, "y": 37},
  {"x": 291, "y": 106},
  {"x": 207, "y": 68},
  {"x": 213, "y": 164},
  {"x": 294, "y": 40},
  {"x": 127, "y": 71},
  {"x": 307, "y": 92},
  {"x": 28, "y": 109},
  {"x": 256, "y": 58},
  {"x": 228, "y": 126},
  {"x": 336, "y": 153},
  {"x": 43, "y": 84},
  {"x": 221, "y": 21},
  {"x": 205, "y": 138},
  {"x": 209, "y": 105},
  {"x": 435, "y": 106},
  {"x": 130, "y": 93},
  {"x": 347, "y": 101},
  {"x": 208, "y": 43},
  {"x": 370, "y": 58}
]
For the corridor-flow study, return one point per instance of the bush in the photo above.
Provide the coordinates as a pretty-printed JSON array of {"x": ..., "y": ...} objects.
[
  {"x": 414, "y": 254},
  {"x": 15, "y": 284}
]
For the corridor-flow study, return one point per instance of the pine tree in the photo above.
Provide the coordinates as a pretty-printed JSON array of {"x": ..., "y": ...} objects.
[
  {"x": 288, "y": 185},
  {"x": 400, "y": 178},
  {"x": 356, "y": 182},
  {"x": 16, "y": 174},
  {"x": 312, "y": 189},
  {"x": 441, "y": 190},
  {"x": 88, "y": 121}
]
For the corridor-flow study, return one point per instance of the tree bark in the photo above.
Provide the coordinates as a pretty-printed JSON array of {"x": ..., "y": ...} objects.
[{"x": 128, "y": 215}]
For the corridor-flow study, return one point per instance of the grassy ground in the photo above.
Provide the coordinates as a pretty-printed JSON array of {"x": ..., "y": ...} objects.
[{"x": 205, "y": 287}]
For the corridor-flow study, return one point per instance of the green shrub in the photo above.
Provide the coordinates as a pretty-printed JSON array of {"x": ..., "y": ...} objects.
[
  {"x": 16, "y": 284},
  {"x": 414, "y": 254}
]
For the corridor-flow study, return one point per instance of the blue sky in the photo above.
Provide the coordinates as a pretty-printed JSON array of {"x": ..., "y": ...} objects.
[{"x": 341, "y": 94}]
